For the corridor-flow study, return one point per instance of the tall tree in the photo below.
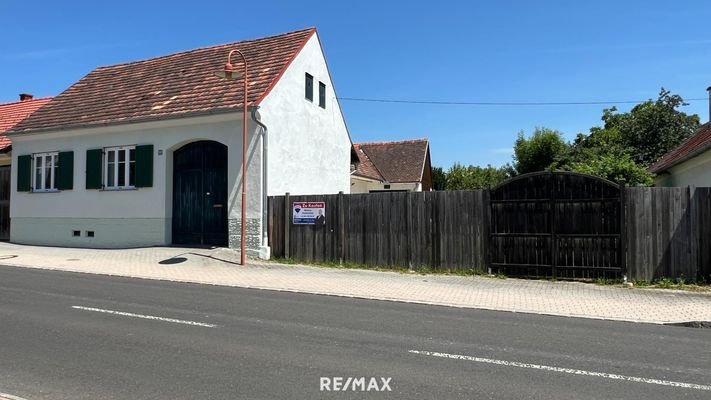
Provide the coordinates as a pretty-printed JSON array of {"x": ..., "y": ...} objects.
[
  {"x": 439, "y": 178},
  {"x": 652, "y": 128},
  {"x": 538, "y": 152}
]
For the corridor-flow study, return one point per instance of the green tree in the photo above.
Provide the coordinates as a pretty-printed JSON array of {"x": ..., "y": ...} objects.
[
  {"x": 538, "y": 152},
  {"x": 601, "y": 153},
  {"x": 439, "y": 178},
  {"x": 652, "y": 128},
  {"x": 473, "y": 177}
]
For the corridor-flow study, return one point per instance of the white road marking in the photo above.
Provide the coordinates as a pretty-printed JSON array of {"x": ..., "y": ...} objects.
[
  {"x": 127, "y": 314},
  {"x": 5, "y": 396},
  {"x": 563, "y": 370}
]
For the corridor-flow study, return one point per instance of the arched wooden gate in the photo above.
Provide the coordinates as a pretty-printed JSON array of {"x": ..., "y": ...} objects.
[{"x": 558, "y": 224}]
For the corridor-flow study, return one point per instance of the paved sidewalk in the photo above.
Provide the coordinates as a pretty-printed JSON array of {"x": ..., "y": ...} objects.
[{"x": 221, "y": 267}]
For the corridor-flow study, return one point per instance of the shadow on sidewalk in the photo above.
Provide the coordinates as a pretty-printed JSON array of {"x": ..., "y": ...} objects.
[{"x": 178, "y": 259}]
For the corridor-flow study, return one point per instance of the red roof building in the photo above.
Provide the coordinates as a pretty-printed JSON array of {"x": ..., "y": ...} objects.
[
  {"x": 13, "y": 113},
  {"x": 150, "y": 152},
  {"x": 687, "y": 164},
  {"x": 392, "y": 166}
]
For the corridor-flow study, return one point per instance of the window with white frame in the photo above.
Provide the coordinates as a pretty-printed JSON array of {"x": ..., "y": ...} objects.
[
  {"x": 44, "y": 178},
  {"x": 120, "y": 167}
]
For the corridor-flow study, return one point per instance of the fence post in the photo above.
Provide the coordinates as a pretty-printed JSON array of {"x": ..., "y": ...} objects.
[
  {"x": 693, "y": 232},
  {"x": 486, "y": 230},
  {"x": 623, "y": 230},
  {"x": 287, "y": 224},
  {"x": 341, "y": 229},
  {"x": 554, "y": 224},
  {"x": 408, "y": 222}
]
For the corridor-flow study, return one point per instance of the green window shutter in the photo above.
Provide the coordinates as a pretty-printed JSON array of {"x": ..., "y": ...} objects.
[
  {"x": 24, "y": 173},
  {"x": 65, "y": 171},
  {"x": 144, "y": 166},
  {"x": 94, "y": 161}
]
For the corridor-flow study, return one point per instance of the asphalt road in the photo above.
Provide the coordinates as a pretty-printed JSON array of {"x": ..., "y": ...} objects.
[{"x": 76, "y": 336}]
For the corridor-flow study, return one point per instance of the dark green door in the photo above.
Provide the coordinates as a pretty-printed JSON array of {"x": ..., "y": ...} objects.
[{"x": 200, "y": 194}]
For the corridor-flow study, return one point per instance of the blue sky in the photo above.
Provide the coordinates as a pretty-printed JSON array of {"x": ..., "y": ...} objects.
[{"x": 515, "y": 51}]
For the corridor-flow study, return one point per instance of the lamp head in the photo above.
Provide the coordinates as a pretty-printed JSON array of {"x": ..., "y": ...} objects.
[{"x": 229, "y": 72}]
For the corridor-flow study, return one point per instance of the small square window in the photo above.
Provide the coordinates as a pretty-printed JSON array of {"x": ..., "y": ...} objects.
[
  {"x": 322, "y": 95},
  {"x": 309, "y": 87},
  {"x": 76, "y": 233},
  {"x": 89, "y": 233}
]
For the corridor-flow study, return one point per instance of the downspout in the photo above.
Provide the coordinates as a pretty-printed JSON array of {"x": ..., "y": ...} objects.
[{"x": 265, "y": 192}]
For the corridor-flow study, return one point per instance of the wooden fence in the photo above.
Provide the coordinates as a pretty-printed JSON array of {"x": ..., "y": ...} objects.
[{"x": 667, "y": 231}]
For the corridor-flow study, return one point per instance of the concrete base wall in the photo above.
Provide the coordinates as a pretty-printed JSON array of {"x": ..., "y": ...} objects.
[{"x": 108, "y": 232}]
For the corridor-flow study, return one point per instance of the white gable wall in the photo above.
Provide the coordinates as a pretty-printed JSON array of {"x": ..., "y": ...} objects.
[{"x": 309, "y": 147}]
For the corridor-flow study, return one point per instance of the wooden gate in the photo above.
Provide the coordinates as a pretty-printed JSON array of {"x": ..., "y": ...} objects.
[{"x": 557, "y": 224}]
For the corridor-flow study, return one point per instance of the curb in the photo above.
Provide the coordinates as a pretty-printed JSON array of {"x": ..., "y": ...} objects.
[{"x": 365, "y": 297}]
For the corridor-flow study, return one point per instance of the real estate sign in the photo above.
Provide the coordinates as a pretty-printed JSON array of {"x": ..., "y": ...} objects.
[{"x": 308, "y": 212}]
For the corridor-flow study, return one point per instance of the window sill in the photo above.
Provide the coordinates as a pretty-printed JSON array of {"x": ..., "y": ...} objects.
[
  {"x": 44, "y": 191},
  {"x": 119, "y": 189}
]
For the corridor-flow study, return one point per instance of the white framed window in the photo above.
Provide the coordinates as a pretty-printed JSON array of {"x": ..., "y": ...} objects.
[
  {"x": 119, "y": 167},
  {"x": 44, "y": 172}
]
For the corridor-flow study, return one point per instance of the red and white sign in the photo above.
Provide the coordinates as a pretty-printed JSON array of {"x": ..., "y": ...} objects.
[{"x": 308, "y": 212}]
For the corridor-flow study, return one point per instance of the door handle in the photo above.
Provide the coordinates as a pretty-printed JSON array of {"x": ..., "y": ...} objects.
[{"x": 217, "y": 205}]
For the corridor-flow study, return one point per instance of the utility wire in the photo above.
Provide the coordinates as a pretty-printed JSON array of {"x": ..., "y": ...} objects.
[{"x": 501, "y": 103}]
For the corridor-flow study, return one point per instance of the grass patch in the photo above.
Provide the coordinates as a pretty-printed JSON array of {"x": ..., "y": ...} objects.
[{"x": 421, "y": 270}]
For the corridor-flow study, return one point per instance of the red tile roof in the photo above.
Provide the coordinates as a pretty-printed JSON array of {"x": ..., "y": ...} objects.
[
  {"x": 365, "y": 167},
  {"x": 13, "y": 113},
  {"x": 395, "y": 162},
  {"x": 175, "y": 85},
  {"x": 691, "y": 147}
]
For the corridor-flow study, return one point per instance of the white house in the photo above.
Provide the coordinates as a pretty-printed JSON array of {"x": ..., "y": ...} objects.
[
  {"x": 398, "y": 166},
  {"x": 689, "y": 164},
  {"x": 149, "y": 152}
]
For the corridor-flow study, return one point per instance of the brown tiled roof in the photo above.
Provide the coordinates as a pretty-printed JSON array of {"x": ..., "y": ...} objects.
[
  {"x": 13, "y": 113},
  {"x": 401, "y": 161},
  {"x": 365, "y": 167},
  {"x": 693, "y": 146},
  {"x": 170, "y": 86}
]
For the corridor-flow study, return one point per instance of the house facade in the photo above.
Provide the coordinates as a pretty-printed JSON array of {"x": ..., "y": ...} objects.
[
  {"x": 689, "y": 164},
  {"x": 397, "y": 166},
  {"x": 149, "y": 152}
]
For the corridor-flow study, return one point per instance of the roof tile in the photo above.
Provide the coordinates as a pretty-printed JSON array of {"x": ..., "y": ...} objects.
[
  {"x": 13, "y": 113},
  {"x": 694, "y": 145},
  {"x": 400, "y": 161},
  {"x": 170, "y": 85}
]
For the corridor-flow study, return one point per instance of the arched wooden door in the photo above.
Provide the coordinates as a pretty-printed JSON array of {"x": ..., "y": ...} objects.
[{"x": 200, "y": 194}]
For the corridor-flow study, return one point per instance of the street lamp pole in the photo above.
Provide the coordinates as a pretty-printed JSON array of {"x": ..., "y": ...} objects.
[{"x": 229, "y": 72}]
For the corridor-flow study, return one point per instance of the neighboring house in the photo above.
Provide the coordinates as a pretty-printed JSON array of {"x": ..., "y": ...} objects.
[
  {"x": 149, "y": 152},
  {"x": 687, "y": 164},
  {"x": 392, "y": 166},
  {"x": 10, "y": 115}
]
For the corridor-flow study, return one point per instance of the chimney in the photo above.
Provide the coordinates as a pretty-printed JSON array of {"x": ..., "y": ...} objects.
[{"x": 25, "y": 96}]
